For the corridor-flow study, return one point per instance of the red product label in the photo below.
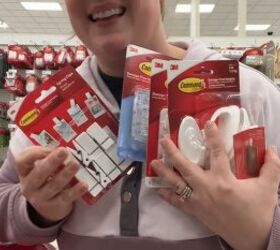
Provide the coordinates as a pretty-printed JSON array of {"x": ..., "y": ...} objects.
[
  {"x": 138, "y": 69},
  {"x": 199, "y": 89},
  {"x": 65, "y": 111},
  {"x": 249, "y": 151}
]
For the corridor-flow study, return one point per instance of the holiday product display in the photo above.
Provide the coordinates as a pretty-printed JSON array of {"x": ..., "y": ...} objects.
[
  {"x": 65, "y": 55},
  {"x": 32, "y": 82},
  {"x": 65, "y": 111},
  {"x": 22, "y": 82},
  {"x": 15, "y": 83},
  {"x": 49, "y": 57},
  {"x": 80, "y": 54},
  {"x": 135, "y": 103},
  {"x": 39, "y": 60},
  {"x": 20, "y": 56},
  {"x": 184, "y": 96}
]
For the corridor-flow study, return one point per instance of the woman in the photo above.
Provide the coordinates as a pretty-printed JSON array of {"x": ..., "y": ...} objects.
[{"x": 244, "y": 213}]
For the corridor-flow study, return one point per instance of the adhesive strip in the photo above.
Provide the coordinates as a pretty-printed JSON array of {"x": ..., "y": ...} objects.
[
  {"x": 97, "y": 133},
  {"x": 86, "y": 142}
]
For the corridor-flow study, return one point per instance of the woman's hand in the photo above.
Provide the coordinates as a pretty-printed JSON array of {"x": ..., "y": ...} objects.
[
  {"x": 240, "y": 211},
  {"x": 45, "y": 181}
]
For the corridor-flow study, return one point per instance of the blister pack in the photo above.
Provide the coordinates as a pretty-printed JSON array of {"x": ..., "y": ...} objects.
[
  {"x": 66, "y": 111},
  {"x": 203, "y": 91},
  {"x": 158, "y": 119},
  {"x": 135, "y": 103}
]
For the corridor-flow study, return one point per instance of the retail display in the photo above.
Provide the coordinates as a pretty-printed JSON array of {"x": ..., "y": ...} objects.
[
  {"x": 20, "y": 56},
  {"x": 262, "y": 58},
  {"x": 80, "y": 54},
  {"x": 29, "y": 67},
  {"x": 39, "y": 60},
  {"x": 66, "y": 111},
  {"x": 49, "y": 55},
  {"x": 64, "y": 56}
]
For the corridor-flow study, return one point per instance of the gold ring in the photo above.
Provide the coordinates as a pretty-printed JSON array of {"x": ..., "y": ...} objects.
[{"x": 185, "y": 194}]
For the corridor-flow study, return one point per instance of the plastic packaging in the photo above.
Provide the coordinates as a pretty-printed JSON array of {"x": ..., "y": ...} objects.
[
  {"x": 65, "y": 55},
  {"x": 32, "y": 82},
  {"x": 65, "y": 111},
  {"x": 134, "y": 114},
  {"x": 49, "y": 57},
  {"x": 20, "y": 56},
  {"x": 199, "y": 92},
  {"x": 80, "y": 54}
]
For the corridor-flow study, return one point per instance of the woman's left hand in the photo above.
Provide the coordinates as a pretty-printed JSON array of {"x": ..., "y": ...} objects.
[{"x": 240, "y": 211}]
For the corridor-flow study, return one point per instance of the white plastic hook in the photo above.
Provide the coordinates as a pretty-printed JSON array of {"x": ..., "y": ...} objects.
[
  {"x": 191, "y": 142},
  {"x": 229, "y": 124},
  {"x": 232, "y": 120},
  {"x": 244, "y": 120}
]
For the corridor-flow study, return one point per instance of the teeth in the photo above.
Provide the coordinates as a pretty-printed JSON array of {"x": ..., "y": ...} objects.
[{"x": 107, "y": 13}]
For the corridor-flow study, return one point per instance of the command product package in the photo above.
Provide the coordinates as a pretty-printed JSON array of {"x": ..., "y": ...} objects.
[
  {"x": 187, "y": 94},
  {"x": 135, "y": 103},
  {"x": 65, "y": 111}
]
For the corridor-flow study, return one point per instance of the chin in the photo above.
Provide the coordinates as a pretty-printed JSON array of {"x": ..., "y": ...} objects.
[{"x": 111, "y": 44}]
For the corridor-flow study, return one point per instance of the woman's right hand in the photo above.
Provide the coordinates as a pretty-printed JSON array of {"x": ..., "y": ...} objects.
[{"x": 45, "y": 183}]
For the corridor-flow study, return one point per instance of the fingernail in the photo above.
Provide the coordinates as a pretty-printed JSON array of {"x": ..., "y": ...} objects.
[
  {"x": 154, "y": 164},
  {"x": 209, "y": 124},
  {"x": 62, "y": 154},
  {"x": 165, "y": 140},
  {"x": 85, "y": 187},
  {"x": 73, "y": 166}
]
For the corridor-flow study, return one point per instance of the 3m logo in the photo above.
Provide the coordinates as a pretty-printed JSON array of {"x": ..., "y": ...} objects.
[
  {"x": 30, "y": 117},
  {"x": 132, "y": 49},
  {"x": 174, "y": 67},
  {"x": 146, "y": 68},
  {"x": 159, "y": 65},
  {"x": 191, "y": 85}
]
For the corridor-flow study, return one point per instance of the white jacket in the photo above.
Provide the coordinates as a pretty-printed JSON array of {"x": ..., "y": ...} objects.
[{"x": 157, "y": 218}]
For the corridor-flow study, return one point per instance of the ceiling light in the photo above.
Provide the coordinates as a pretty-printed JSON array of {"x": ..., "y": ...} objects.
[
  {"x": 255, "y": 27},
  {"x": 3, "y": 25},
  {"x": 47, "y": 6},
  {"x": 186, "y": 8}
]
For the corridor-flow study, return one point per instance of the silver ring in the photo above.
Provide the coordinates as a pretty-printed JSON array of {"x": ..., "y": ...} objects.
[{"x": 186, "y": 193}]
